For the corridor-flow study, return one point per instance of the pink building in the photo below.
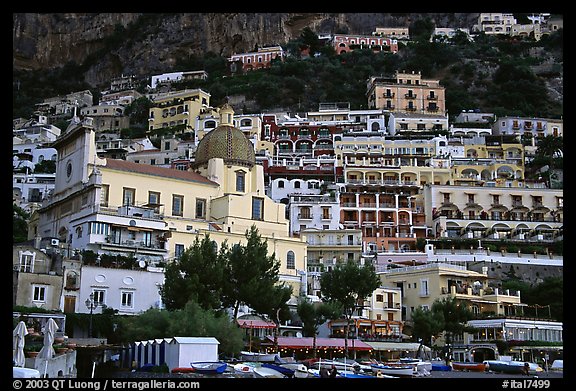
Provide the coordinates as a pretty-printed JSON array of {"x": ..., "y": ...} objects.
[
  {"x": 260, "y": 59},
  {"x": 347, "y": 43}
]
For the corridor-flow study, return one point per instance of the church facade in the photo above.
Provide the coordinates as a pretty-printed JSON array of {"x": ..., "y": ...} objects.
[{"x": 115, "y": 207}]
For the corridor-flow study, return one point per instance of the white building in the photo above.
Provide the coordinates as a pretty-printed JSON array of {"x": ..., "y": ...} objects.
[
  {"x": 320, "y": 211},
  {"x": 282, "y": 188},
  {"x": 176, "y": 352},
  {"x": 537, "y": 127},
  {"x": 130, "y": 291}
]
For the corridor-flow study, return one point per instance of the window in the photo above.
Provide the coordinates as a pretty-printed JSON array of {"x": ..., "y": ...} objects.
[
  {"x": 200, "y": 208},
  {"x": 280, "y": 184},
  {"x": 128, "y": 197},
  {"x": 127, "y": 299},
  {"x": 240, "y": 181},
  {"x": 178, "y": 250},
  {"x": 290, "y": 262},
  {"x": 424, "y": 288},
  {"x": 99, "y": 296},
  {"x": 39, "y": 293},
  {"x": 154, "y": 198},
  {"x": 305, "y": 212},
  {"x": 380, "y": 298},
  {"x": 257, "y": 208},
  {"x": 26, "y": 262},
  {"x": 297, "y": 184},
  {"x": 177, "y": 205}
]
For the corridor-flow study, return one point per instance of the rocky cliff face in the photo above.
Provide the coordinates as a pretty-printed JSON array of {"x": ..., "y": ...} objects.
[{"x": 144, "y": 44}]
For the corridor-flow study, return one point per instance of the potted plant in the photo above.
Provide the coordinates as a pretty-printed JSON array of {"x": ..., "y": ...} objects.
[
  {"x": 32, "y": 350},
  {"x": 60, "y": 348}
]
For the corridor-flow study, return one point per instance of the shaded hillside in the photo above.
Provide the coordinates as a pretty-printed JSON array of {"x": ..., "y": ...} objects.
[
  {"x": 496, "y": 74},
  {"x": 110, "y": 44}
]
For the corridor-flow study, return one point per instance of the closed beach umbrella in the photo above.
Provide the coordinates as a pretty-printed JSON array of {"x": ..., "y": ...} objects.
[
  {"x": 18, "y": 342},
  {"x": 47, "y": 350}
]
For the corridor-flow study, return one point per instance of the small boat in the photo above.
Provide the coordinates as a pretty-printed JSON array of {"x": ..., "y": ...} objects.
[
  {"x": 352, "y": 375},
  {"x": 557, "y": 365},
  {"x": 243, "y": 367},
  {"x": 468, "y": 366},
  {"x": 341, "y": 373},
  {"x": 288, "y": 372},
  {"x": 421, "y": 365},
  {"x": 290, "y": 368},
  {"x": 511, "y": 367},
  {"x": 341, "y": 365},
  {"x": 258, "y": 357},
  {"x": 394, "y": 370},
  {"x": 269, "y": 373},
  {"x": 438, "y": 366},
  {"x": 209, "y": 367}
]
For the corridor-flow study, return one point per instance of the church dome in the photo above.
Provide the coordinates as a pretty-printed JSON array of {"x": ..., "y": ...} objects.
[{"x": 225, "y": 142}]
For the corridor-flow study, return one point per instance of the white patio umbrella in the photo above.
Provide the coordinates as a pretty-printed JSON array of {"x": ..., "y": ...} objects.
[
  {"x": 47, "y": 350},
  {"x": 18, "y": 342}
]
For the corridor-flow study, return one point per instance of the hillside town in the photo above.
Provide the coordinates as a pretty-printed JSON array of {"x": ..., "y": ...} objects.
[{"x": 440, "y": 207}]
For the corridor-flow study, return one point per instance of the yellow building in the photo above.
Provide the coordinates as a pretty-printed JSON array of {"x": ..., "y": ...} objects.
[
  {"x": 177, "y": 108},
  {"x": 154, "y": 213},
  {"x": 423, "y": 284}
]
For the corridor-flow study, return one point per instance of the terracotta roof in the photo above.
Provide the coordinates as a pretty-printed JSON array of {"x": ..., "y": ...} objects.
[
  {"x": 255, "y": 324},
  {"x": 147, "y": 169}
]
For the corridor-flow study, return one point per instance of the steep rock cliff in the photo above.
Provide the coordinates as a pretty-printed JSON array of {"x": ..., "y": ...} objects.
[{"x": 144, "y": 44}]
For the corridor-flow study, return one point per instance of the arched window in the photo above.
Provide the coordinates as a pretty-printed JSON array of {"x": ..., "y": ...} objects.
[
  {"x": 290, "y": 261},
  {"x": 240, "y": 181}
]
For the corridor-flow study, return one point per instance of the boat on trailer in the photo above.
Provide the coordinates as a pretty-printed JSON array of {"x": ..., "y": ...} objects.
[
  {"x": 469, "y": 366},
  {"x": 209, "y": 367}
]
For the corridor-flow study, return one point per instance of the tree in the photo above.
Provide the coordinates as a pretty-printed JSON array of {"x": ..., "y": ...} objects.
[
  {"x": 421, "y": 29},
  {"x": 45, "y": 166},
  {"x": 19, "y": 224},
  {"x": 197, "y": 275},
  {"x": 455, "y": 316},
  {"x": 138, "y": 111},
  {"x": 191, "y": 320},
  {"x": 313, "y": 315},
  {"x": 349, "y": 285},
  {"x": 427, "y": 324},
  {"x": 251, "y": 275}
]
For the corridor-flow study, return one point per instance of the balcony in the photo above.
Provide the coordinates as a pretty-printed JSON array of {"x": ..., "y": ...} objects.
[
  {"x": 304, "y": 216},
  {"x": 410, "y": 96}
]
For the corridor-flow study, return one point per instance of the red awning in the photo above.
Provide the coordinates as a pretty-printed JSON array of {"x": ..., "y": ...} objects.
[
  {"x": 255, "y": 324},
  {"x": 321, "y": 343}
]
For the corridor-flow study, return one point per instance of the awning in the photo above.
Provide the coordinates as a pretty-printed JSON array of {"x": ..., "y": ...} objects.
[
  {"x": 321, "y": 343},
  {"x": 255, "y": 324}
]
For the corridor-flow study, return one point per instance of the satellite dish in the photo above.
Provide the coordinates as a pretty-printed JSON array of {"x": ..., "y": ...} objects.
[
  {"x": 142, "y": 264},
  {"x": 298, "y": 334}
]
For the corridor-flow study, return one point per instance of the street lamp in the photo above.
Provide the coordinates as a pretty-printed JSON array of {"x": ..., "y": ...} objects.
[{"x": 91, "y": 306}]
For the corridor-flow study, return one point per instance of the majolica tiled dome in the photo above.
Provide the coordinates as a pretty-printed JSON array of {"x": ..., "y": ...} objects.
[{"x": 228, "y": 143}]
